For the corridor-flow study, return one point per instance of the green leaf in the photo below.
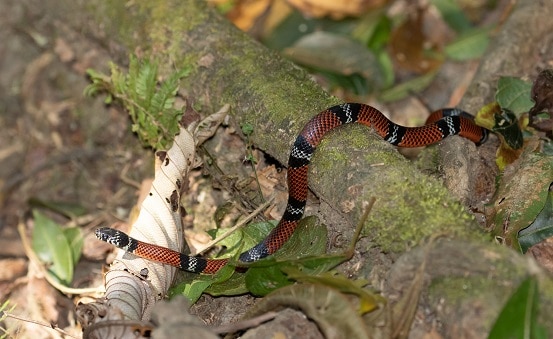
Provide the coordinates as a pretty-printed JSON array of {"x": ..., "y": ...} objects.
[
  {"x": 318, "y": 264},
  {"x": 380, "y": 34},
  {"x": 164, "y": 98},
  {"x": 5, "y": 308},
  {"x": 262, "y": 280},
  {"x": 453, "y": 15},
  {"x": 296, "y": 25},
  {"x": 517, "y": 203},
  {"x": 407, "y": 88},
  {"x": 287, "y": 32},
  {"x": 514, "y": 94},
  {"x": 99, "y": 82},
  {"x": 234, "y": 285},
  {"x": 541, "y": 228},
  {"x": 518, "y": 318},
  {"x": 247, "y": 128},
  {"x": 374, "y": 29},
  {"x": 387, "y": 67},
  {"x": 355, "y": 83},
  {"x": 127, "y": 83},
  {"x": 75, "y": 240},
  {"x": 505, "y": 125},
  {"x": 194, "y": 289},
  {"x": 469, "y": 45},
  {"x": 245, "y": 238},
  {"x": 307, "y": 243},
  {"x": 226, "y": 281},
  {"x": 309, "y": 239},
  {"x": 51, "y": 246},
  {"x": 336, "y": 54}
]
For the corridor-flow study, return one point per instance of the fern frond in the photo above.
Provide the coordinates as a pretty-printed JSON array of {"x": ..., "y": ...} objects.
[
  {"x": 164, "y": 98},
  {"x": 146, "y": 84},
  {"x": 132, "y": 76},
  {"x": 150, "y": 105},
  {"x": 100, "y": 83}
]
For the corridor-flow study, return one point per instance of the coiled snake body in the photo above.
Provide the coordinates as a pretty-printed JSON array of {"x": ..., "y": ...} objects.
[{"x": 440, "y": 125}]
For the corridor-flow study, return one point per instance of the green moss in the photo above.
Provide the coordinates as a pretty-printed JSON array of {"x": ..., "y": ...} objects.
[
  {"x": 456, "y": 290},
  {"x": 278, "y": 100},
  {"x": 151, "y": 19},
  {"x": 407, "y": 216},
  {"x": 161, "y": 13},
  {"x": 117, "y": 13}
]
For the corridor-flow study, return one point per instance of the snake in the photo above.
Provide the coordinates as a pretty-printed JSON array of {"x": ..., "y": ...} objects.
[{"x": 440, "y": 124}]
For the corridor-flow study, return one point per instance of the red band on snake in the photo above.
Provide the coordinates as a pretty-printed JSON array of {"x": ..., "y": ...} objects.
[{"x": 440, "y": 125}]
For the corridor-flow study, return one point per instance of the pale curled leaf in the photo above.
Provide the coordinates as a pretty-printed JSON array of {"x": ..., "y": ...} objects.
[
  {"x": 368, "y": 300},
  {"x": 159, "y": 222},
  {"x": 332, "y": 312},
  {"x": 133, "y": 284}
]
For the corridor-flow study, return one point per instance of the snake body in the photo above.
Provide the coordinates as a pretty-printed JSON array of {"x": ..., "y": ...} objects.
[{"x": 440, "y": 125}]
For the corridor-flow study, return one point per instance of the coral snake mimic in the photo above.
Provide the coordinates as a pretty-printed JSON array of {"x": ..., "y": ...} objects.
[{"x": 440, "y": 124}]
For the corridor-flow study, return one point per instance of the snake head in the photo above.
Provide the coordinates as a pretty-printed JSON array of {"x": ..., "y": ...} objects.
[{"x": 112, "y": 236}]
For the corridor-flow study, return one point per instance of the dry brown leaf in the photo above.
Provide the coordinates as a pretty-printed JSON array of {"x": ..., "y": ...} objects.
[
  {"x": 408, "y": 46},
  {"x": 12, "y": 268},
  {"x": 335, "y": 9},
  {"x": 246, "y": 13},
  {"x": 543, "y": 253},
  {"x": 270, "y": 181}
]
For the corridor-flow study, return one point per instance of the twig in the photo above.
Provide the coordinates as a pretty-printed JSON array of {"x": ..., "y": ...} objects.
[
  {"x": 235, "y": 227},
  {"x": 52, "y": 326},
  {"x": 351, "y": 250},
  {"x": 127, "y": 180}
]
